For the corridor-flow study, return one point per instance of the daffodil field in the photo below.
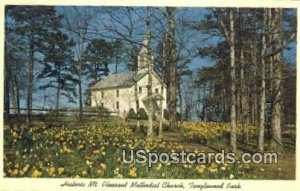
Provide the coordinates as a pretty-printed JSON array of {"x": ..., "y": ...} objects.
[
  {"x": 95, "y": 151},
  {"x": 206, "y": 132}
]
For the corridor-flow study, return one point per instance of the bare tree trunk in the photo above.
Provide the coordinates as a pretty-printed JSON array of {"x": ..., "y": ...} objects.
[
  {"x": 18, "y": 100},
  {"x": 230, "y": 36},
  {"x": 134, "y": 66},
  {"x": 238, "y": 100},
  {"x": 79, "y": 29},
  {"x": 138, "y": 128},
  {"x": 262, "y": 101},
  {"x": 233, "y": 146},
  {"x": 254, "y": 99},
  {"x": 172, "y": 68},
  {"x": 30, "y": 80},
  {"x": 270, "y": 39},
  {"x": 6, "y": 91},
  {"x": 254, "y": 111},
  {"x": 15, "y": 96},
  {"x": 203, "y": 113},
  {"x": 270, "y": 24},
  {"x": 239, "y": 68},
  {"x": 149, "y": 58},
  {"x": 160, "y": 128},
  {"x": 7, "y": 76},
  {"x": 12, "y": 88},
  {"x": 57, "y": 94},
  {"x": 244, "y": 100},
  {"x": 136, "y": 98},
  {"x": 276, "y": 141},
  {"x": 179, "y": 97},
  {"x": 224, "y": 108},
  {"x": 80, "y": 89}
]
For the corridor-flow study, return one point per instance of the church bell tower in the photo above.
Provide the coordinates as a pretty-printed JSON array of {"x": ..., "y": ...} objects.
[{"x": 143, "y": 57}]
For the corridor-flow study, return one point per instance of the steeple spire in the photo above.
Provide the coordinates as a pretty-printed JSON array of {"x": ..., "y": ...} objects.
[
  {"x": 146, "y": 43},
  {"x": 143, "y": 54}
]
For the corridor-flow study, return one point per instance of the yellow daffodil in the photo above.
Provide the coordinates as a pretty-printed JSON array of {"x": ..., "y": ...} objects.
[
  {"x": 132, "y": 172},
  {"x": 84, "y": 173},
  {"x": 36, "y": 174},
  {"x": 60, "y": 170},
  {"x": 25, "y": 168},
  {"x": 51, "y": 171}
]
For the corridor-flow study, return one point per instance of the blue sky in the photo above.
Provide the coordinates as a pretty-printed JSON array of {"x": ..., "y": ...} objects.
[{"x": 190, "y": 14}]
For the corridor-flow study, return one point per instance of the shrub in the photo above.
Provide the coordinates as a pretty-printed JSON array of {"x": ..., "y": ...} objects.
[
  {"x": 142, "y": 114},
  {"x": 166, "y": 114},
  {"x": 131, "y": 114}
]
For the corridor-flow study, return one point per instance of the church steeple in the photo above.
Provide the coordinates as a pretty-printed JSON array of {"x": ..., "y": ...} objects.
[{"x": 143, "y": 54}]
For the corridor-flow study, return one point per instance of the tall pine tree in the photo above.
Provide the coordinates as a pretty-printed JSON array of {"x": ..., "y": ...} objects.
[
  {"x": 34, "y": 24},
  {"x": 59, "y": 67}
]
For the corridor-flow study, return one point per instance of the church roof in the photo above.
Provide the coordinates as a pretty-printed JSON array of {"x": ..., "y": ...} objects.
[
  {"x": 124, "y": 79},
  {"x": 128, "y": 79}
]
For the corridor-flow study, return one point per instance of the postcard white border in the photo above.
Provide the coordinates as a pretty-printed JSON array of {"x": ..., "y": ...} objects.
[{"x": 54, "y": 184}]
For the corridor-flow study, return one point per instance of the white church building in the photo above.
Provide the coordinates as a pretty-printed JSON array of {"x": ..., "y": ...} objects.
[{"x": 116, "y": 92}]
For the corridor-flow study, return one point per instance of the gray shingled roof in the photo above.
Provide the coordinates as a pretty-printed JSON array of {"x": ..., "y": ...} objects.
[{"x": 123, "y": 79}]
